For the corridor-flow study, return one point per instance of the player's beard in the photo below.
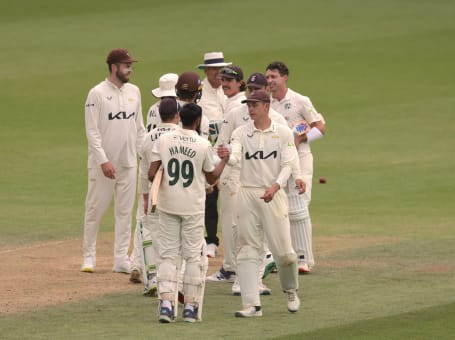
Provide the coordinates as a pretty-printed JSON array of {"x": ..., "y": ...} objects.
[{"x": 124, "y": 78}]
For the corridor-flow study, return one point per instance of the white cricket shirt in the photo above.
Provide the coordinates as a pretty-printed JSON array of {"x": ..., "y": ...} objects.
[
  {"x": 114, "y": 125},
  {"x": 185, "y": 157},
  {"x": 295, "y": 107},
  {"x": 240, "y": 116},
  {"x": 153, "y": 116},
  {"x": 213, "y": 101},
  {"x": 234, "y": 102},
  {"x": 146, "y": 154},
  {"x": 265, "y": 157}
]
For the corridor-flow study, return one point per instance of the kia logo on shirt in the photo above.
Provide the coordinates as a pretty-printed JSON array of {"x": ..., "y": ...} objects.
[
  {"x": 121, "y": 115},
  {"x": 260, "y": 155}
]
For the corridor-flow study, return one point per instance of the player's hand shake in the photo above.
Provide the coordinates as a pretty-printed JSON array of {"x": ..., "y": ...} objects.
[
  {"x": 270, "y": 192},
  {"x": 223, "y": 152}
]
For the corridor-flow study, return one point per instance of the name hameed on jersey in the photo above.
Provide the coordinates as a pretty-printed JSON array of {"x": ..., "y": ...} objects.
[{"x": 184, "y": 150}]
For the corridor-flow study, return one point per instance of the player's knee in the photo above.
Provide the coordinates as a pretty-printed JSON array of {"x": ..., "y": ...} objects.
[
  {"x": 167, "y": 271},
  {"x": 286, "y": 259},
  {"x": 193, "y": 274},
  {"x": 192, "y": 257},
  {"x": 248, "y": 253}
]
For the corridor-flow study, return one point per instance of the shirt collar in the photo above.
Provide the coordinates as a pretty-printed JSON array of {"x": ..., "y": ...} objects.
[
  {"x": 187, "y": 132},
  {"x": 286, "y": 97},
  {"x": 240, "y": 95},
  {"x": 112, "y": 85},
  {"x": 271, "y": 128},
  {"x": 167, "y": 125}
]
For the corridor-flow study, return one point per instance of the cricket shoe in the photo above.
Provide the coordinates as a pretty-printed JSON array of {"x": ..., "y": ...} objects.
[
  {"x": 135, "y": 276},
  {"x": 222, "y": 276},
  {"x": 249, "y": 312},
  {"x": 303, "y": 267},
  {"x": 293, "y": 300},
  {"x": 88, "y": 266},
  {"x": 263, "y": 289},
  {"x": 190, "y": 314},
  {"x": 151, "y": 288},
  {"x": 212, "y": 250},
  {"x": 166, "y": 314},
  {"x": 124, "y": 267}
]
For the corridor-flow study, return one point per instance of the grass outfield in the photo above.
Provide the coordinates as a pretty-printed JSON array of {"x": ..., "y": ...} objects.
[{"x": 383, "y": 75}]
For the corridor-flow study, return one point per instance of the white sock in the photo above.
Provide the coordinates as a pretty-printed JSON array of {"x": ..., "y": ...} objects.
[
  {"x": 189, "y": 306},
  {"x": 166, "y": 304}
]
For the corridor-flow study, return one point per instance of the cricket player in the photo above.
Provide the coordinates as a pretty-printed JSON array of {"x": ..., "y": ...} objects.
[
  {"x": 166, "y": 89},
  {"x": 297, "y": 108},
  {"x": 189, "y": 90},
  {"x": 115, "y": 131},
  {"x": 188, "y": 161},
  {"x": 235, "y": 118},
  {"x": 266, "y": 148},
  {"x": 147, "y": 241},
  {"x": 213, "y": 99},
  {"x": 234, "y": 88},
  {"x": 213, "y": 102}
]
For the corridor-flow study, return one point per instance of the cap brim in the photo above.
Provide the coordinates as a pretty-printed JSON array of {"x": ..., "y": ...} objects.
[
  {"x": 254, "y": 100},
  {"x": 255, "y": 86},
  {"x": 158, "y": 93},
  {"x": 203, "y": 66}
]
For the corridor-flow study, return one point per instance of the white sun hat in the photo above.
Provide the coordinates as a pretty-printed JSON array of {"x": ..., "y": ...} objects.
[
  {"x": 167, "y": 86},
  {"x": 213, "y": 59}
]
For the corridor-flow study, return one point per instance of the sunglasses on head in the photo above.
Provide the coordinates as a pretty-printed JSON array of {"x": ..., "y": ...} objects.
[{"x": 229, "y": 71}]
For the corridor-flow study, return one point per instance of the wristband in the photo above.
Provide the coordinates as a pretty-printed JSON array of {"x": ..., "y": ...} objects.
[{"x": 313, "y": 135}]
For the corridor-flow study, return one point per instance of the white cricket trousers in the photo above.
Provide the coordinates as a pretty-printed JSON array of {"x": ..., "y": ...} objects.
[
  {"x": 99, "y": 195},
  {"x": 230, "y": 178},
  {"x": 257, "y": 220},
  {"x": 181, "y": 234}
]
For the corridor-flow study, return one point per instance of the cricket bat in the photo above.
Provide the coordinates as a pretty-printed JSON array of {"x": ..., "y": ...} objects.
[{"x": 154, "y": 190}]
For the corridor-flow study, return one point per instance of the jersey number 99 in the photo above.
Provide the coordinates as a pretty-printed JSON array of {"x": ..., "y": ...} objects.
[{"x": 176, "y": 171}]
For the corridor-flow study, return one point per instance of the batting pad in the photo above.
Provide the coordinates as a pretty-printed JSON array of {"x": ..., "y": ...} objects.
[
  {"x": 167, "y": 280},
  {"x": 298, "y": 205},
  {"x": 302, "y": 238},
  {"x": 192, "y": 282}
]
